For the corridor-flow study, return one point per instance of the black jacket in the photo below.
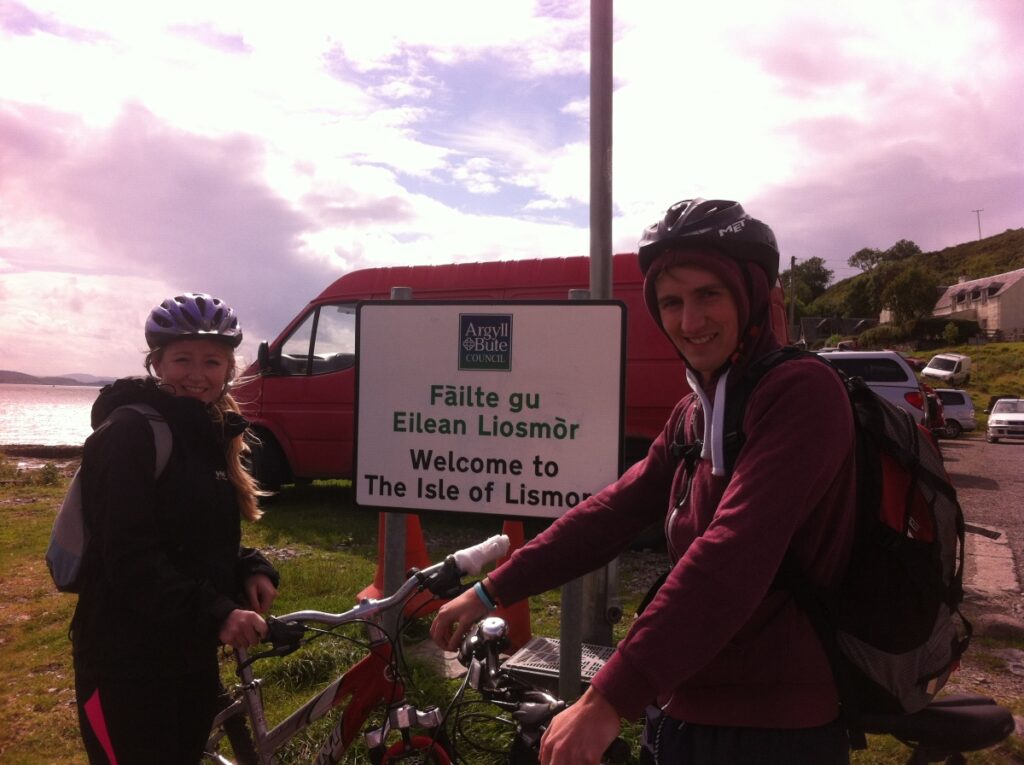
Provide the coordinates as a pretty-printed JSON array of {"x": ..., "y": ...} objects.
[{"x": 164, "y": 565}]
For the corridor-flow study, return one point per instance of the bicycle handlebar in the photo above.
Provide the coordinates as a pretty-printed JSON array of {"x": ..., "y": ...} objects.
[
  {"x": 472, "y": 560},
  {"x": 440, "y": 578}
]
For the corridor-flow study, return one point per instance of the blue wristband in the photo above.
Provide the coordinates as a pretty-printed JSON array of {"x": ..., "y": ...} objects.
[{"x": 481, "y": 593}]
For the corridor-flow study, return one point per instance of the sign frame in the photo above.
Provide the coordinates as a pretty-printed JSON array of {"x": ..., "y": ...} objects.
[{"x": 486, "y": 393}]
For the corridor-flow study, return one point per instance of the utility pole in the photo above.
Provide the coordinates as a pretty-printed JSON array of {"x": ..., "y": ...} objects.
[
  {"x": 792, "y": 292},
  {"x": 978, "y": 213}
]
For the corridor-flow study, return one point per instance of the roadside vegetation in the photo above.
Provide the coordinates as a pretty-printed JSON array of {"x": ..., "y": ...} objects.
[{"x": 326, "y": 550}]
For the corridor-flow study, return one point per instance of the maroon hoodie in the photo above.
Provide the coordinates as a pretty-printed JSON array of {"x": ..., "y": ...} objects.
[{"x": 719, "y": 645}]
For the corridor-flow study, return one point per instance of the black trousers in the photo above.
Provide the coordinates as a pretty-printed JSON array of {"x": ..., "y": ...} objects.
[
  {"x": 670, "y": 742},
  {"x": 148, "y": 721}
]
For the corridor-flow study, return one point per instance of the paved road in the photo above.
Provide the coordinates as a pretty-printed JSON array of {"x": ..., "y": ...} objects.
[{"x": 990, "y": 483}]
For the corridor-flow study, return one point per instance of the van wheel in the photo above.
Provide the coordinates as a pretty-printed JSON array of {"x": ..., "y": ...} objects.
[
  {"x": 270, "y": 468},
  {"x": 953, "y": 429},
  {"x": 992, "y": 440}
]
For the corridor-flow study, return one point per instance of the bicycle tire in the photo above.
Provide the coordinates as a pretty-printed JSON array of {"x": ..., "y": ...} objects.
[
  {"x": 435, "y": 753},
  {"x": 240, "y": 738}
]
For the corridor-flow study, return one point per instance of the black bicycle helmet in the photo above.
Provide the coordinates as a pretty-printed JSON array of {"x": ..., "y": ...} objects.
[
  {"x": 719, "y": 223},
  {"x": 193, "y": 314}
]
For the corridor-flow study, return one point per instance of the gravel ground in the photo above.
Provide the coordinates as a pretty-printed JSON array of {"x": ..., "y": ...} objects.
[{"x": 990, "y": 485}]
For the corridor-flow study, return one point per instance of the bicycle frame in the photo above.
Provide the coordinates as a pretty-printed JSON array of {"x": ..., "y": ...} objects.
[
  {"x": 370, "y": 684},
  {"x": 366, "y": 686}
]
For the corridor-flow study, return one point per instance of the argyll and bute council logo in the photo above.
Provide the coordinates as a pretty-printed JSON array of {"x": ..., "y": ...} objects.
[{"x": 485, "y": 341}]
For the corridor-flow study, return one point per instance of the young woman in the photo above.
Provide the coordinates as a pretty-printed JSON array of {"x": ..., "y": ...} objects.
[{"x": 166, "y": 580}]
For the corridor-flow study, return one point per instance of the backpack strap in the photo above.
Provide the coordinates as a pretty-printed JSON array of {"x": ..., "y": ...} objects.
[
  {"x": 162, "y": 439},
  {"x": 736, "y": 409}
]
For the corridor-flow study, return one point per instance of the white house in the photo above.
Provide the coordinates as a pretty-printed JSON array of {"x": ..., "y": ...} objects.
[{"x": 995, "y": 302}]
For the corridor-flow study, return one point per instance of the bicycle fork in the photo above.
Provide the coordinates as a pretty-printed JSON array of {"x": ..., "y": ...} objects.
[{"x": 405, "y": 718}]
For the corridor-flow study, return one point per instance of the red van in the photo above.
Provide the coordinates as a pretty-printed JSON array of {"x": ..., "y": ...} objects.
[{"x": 300, "y": 394}]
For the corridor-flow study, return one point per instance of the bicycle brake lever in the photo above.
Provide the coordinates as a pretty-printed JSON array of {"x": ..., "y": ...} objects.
[
  {"x": 285, "y": 637},
  {"x": 284, "y": 634}
]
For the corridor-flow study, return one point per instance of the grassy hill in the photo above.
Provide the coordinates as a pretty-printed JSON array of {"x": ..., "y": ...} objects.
[
  {"x": 973, "y": 260},
  {"x": 997, "y": 368}
]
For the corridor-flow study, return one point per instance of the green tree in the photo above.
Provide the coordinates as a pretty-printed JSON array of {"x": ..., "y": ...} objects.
[
  {"x": 902, "y": 250},
  {"x": 865, "y": 258},
  {"x": 869, "y": 258},
  {"x": 951, "y": 334},
  {"x": 911, "y": 293},
  {"x": 862, "y": 299},
  {"x": 808, "y": 280}
]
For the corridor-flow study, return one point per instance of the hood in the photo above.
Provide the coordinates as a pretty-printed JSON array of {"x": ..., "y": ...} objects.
[
  {"x": 749, "y": 286},
  {"x": 180, "y": 409}
]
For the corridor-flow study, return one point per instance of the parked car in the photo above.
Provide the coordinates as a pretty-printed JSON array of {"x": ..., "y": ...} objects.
[
  {"x": 993, "y": 399},
  {"x": 958, "y": 410},
  {"x": 934, "y": 416},
  {"x": 1006, "y": 420},
  {"x": 888, "y": 374},
  {"x": 950, "y": 368}
]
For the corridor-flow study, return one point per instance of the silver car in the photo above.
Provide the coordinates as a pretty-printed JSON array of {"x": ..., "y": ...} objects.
[
  {"x": 1006, "y": 420},
  {"x": 958, "y": 411},
  {"x": 887, "y": 374}
]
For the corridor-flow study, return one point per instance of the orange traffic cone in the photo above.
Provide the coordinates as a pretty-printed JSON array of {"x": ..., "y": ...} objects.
[
  {"x": 415, "y": 557},
  {"x": 517, "y": 615}
]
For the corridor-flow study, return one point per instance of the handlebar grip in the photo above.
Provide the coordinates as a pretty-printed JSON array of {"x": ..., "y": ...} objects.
[{"x": 472, "y": 560}]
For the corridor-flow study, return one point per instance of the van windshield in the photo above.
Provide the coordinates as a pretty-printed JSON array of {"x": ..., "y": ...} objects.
[{"x": 943, "y": 365}]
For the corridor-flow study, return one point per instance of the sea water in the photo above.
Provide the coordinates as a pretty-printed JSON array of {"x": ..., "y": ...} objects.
[{"x": 49, "y": 415}]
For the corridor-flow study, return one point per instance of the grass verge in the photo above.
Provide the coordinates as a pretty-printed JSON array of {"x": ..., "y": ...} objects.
[{"x": 327, "y": 551}]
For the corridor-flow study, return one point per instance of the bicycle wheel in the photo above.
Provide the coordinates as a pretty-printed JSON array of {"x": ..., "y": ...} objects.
[
  {"x": 422, "y": 750},
  {"x": 240, "y": 738}
]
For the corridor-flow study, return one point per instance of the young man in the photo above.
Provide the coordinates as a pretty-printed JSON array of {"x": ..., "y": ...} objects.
[{"x": 732, "y": 666}]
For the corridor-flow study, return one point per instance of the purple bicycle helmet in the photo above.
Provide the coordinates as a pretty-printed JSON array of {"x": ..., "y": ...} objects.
[
  {"x": 718, "y": 223},
  {"x": 193, "y": 314}
]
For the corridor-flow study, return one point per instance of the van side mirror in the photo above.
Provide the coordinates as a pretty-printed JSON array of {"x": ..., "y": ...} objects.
[{"x": 267, "y": 363}]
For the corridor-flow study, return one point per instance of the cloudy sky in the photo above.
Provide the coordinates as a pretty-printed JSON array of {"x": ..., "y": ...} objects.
[{"x": 259, "y": 150}]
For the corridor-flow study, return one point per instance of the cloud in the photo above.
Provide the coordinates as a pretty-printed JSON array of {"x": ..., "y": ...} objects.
[
  {"x": 148, "y": 204},
  {"x": 213, "y": 37},
  {"x": 17, "y": 19}
]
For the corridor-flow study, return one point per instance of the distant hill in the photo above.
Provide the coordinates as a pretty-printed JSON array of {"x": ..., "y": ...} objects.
[
  {"x": 973, "y": 260},
  {"x": 8, "y": 376}
]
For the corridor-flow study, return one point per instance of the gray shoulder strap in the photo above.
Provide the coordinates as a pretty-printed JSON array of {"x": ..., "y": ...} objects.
[{"x": 161, "y": 434}]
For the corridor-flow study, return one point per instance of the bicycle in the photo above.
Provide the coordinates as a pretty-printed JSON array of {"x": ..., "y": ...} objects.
[
  {"x": 375, "y": 682},
  {"x": 940, "y": 733}
]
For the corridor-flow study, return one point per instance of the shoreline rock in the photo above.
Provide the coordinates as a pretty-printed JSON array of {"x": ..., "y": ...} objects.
[{"x": 41, "y": 451}]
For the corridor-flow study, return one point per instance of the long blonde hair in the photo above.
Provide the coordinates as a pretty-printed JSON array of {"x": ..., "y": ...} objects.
[{"x": 236, "y": 449}]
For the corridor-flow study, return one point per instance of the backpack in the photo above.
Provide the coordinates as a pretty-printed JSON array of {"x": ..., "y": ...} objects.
[
  {"x": 69, "y": 538},
  {"x": 891, "y": 626}
]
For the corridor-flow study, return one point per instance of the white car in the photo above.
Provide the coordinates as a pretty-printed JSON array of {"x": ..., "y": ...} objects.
[
  {"x": 1006, "y": 420},
  {"x": 887, "y": 373},
  {"x": 958, "y": 411},
  {"x": 949, "y": 368}
]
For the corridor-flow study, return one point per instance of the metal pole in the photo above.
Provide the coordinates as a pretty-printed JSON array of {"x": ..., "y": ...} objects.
[
  {"x": 573, "y": 616},
  {"x": 792, "y": 292},
  {"x": 599, "y": 585},
  {"x": 978, "y": 214},
  {"x": 600, "y": 149},
  {"x": 395, "y": 523}
]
